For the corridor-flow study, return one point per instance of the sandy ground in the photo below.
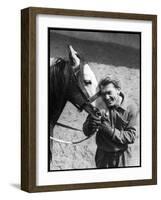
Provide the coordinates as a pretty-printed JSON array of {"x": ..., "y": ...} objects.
[{"x": 81, "y": 156}]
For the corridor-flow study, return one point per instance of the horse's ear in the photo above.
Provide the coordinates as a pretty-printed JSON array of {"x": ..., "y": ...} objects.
[{"x": 73, "y": 56}]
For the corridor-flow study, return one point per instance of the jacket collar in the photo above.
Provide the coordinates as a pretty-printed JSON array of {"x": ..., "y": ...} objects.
[{"x": 121, "y": 102}]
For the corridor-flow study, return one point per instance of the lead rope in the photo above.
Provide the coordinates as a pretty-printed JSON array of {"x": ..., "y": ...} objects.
[
  {"x": 75, "y": 142},
  {"x": 68, "y": 142}
]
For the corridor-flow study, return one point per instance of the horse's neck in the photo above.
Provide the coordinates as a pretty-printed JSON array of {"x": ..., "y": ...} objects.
[
  {"x": 57, "y": 105},
  {"x": 56, "y": 115},
  {"x": 58, "y": 89}
]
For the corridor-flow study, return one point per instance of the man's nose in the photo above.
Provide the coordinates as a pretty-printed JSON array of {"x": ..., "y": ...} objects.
[{"x": 107, "y": 96}]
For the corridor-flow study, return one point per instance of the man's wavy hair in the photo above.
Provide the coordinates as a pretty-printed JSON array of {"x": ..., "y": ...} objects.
[{"x": 107, "y": 80}]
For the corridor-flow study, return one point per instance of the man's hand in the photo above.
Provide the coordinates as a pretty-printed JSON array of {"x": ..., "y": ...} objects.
[
  {"x": 91, "y": 125},
  {"x": 106, "y": 129}
]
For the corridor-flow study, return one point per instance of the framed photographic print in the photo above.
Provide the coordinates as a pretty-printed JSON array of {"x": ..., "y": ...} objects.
[{"x": 88, "y": 99}]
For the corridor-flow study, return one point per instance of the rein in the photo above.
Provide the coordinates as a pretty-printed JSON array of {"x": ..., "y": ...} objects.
[
  {"x": 96, "y": 114},
  {"x": 69, "y": 142}
]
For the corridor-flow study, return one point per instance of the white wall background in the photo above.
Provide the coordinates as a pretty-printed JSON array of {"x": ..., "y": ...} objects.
[{"x": 10, "y": 98}]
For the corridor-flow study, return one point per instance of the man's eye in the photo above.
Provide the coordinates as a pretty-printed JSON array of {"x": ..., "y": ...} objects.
[
  {"x": 87, "y": 82},
  {"x": 106, "y": 93}
]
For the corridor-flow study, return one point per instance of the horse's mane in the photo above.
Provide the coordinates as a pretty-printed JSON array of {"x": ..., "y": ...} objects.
[{"x": 59, "y": 73}]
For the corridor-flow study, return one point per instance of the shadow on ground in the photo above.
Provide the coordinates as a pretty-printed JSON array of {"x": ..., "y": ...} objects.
[{"x": 98, "y": 52}]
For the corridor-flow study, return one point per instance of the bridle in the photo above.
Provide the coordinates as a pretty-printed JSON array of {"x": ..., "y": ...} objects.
[{"x": 76, "y": 78}]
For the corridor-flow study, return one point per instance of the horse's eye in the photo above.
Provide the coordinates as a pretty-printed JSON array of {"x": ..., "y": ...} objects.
[{"x": 87, "y": 82}]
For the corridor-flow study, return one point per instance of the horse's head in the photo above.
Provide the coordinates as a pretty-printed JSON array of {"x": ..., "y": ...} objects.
[
  {"x": 83, "y": 83},
  {"x": 72, "y": 81}
]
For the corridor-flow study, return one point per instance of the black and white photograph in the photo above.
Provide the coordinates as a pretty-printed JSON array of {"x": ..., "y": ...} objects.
[
  {"x": 94, "y": 99},
  {"x": 88, "y": 99}
]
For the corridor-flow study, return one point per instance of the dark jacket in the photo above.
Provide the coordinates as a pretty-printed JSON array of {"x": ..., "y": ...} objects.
[{"x": 122, "y": 122}]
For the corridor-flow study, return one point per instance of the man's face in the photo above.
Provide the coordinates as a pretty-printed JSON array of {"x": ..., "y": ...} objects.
[{"x": 110, "y": 94}]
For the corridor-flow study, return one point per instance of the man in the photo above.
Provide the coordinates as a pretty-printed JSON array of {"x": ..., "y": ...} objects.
[{"x": 115, "y": 130}]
